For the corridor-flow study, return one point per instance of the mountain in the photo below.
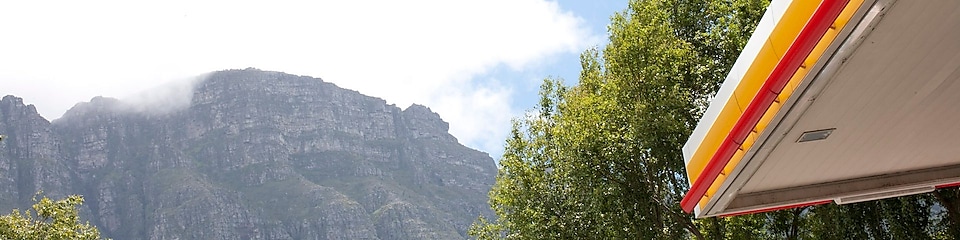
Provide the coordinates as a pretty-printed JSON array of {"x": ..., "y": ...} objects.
[{"x": 252, "y": 155}]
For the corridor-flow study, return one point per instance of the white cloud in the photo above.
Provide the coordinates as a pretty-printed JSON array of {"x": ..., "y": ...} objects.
[{"x": 58, "y": 53}]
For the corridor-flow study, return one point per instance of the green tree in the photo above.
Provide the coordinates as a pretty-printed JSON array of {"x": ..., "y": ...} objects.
[
  {"x": 603, "y": 159},
  {"x": 54, "y": 219},
  {"x": 949, "y": 224}
]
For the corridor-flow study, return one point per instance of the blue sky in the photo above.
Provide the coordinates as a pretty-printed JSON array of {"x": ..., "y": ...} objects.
[
  {"x": 478, "y": 63},
  {"x": 595, "y": 16}
]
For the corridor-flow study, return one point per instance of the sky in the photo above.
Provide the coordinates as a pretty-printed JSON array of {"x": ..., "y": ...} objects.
[{"x": 478, "y": 63}]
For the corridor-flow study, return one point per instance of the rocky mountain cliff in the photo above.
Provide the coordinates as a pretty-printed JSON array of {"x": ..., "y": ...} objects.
[{"x": 255, "y": 155}]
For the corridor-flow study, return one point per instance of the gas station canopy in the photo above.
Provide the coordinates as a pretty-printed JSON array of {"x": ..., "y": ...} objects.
[{"x": 833, "y": 101}]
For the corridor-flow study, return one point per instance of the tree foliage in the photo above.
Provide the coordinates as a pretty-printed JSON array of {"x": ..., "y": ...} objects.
[
  {"x": 602, "y": 159},
  {"x": 50, "y": 219}
]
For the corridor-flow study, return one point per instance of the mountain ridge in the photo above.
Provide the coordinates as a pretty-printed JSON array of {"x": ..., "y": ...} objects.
[{"x": 255, "y": 155}]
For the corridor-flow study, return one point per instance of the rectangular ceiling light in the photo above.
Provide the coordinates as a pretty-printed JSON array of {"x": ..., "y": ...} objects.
[{"x": 815, "y": 135}]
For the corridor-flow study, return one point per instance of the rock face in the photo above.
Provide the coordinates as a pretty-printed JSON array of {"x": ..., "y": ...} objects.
[{"x": 255, "y": 155}]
